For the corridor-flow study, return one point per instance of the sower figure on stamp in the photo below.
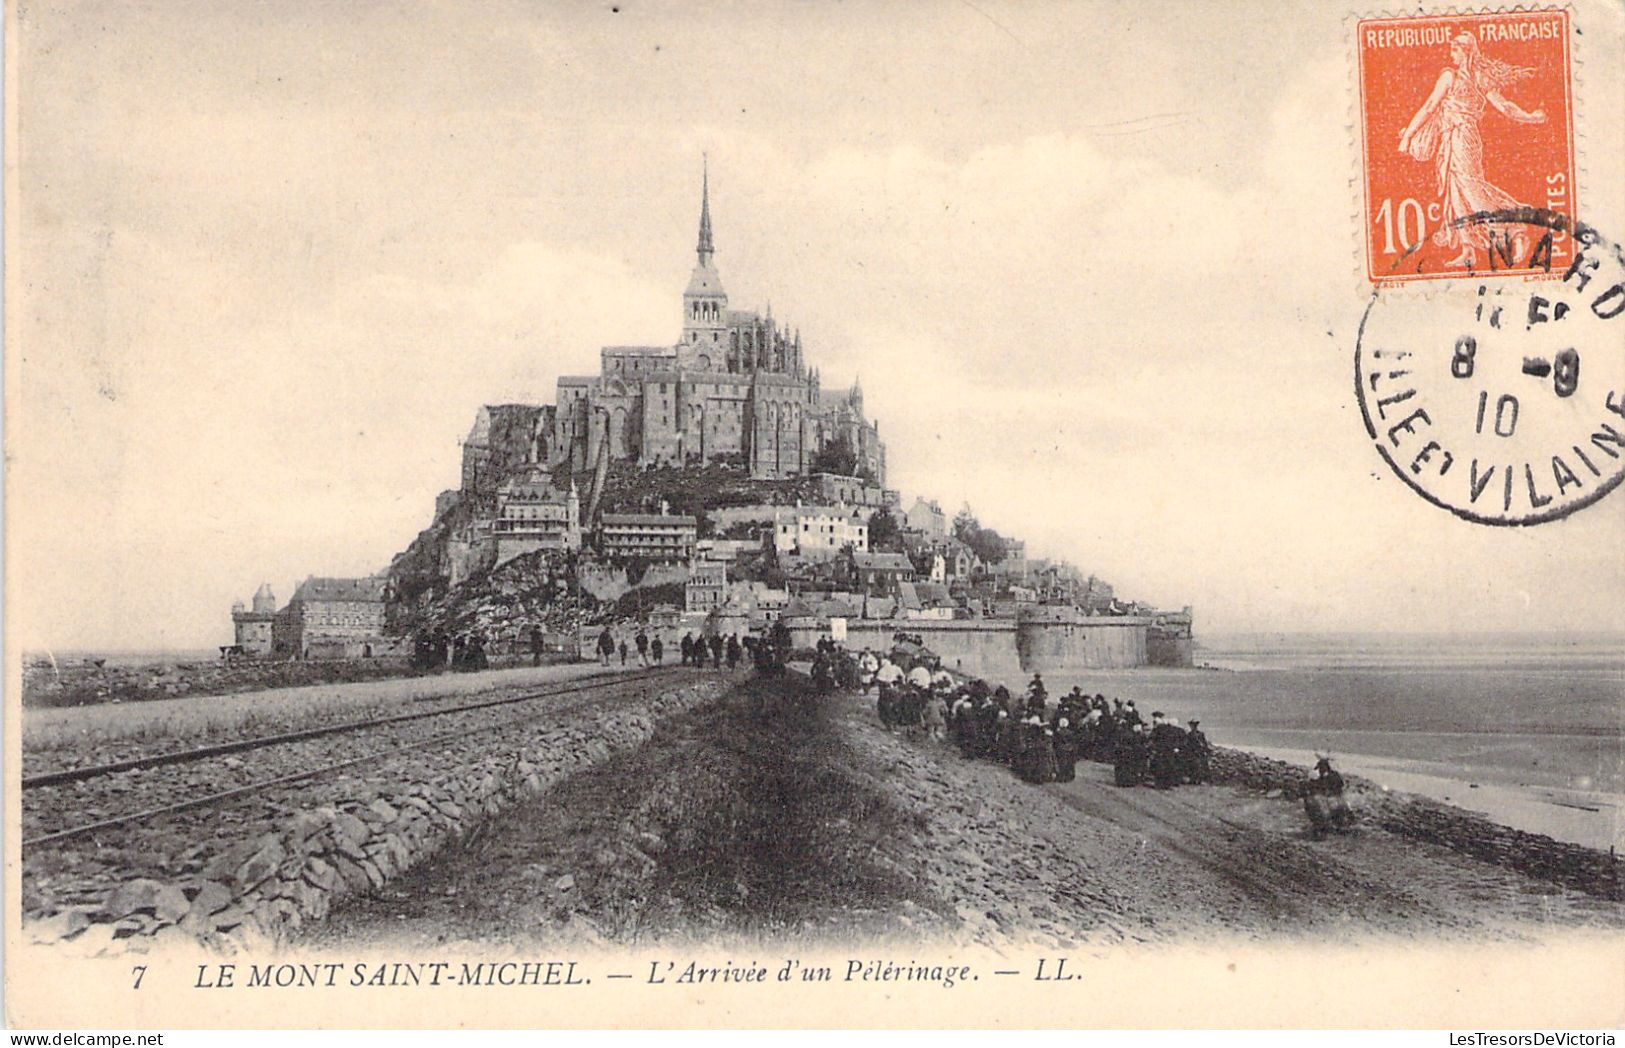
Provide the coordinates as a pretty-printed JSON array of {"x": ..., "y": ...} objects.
[{"x": 1445, "y": 130}]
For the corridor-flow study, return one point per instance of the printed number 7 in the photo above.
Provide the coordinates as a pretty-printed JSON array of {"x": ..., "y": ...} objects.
[{"x": 140, "y": 971}]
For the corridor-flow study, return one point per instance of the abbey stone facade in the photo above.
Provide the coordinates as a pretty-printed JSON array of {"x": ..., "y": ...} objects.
[{"x": 734, "y": 387}]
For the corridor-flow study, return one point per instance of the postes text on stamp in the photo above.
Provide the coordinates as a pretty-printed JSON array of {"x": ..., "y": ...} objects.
[{"x": 1463, "y": 115}]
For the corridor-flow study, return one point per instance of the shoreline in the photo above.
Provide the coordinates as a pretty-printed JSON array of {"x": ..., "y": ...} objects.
[
  {"x": 1533, "y": 753},
  {"x": 1589, "y": 818}
]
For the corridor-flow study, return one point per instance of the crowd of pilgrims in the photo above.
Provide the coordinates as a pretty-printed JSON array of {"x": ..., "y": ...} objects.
[{"x": 1040, "y": 738}]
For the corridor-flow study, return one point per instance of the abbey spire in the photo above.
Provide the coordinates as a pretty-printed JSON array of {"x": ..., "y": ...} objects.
[
  {"x": 706, "y": 250},
  {"x": 705, "y": 303}
]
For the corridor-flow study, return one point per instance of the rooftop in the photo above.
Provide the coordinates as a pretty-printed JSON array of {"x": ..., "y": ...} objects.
[
  {"x": 670, "y": 520},
  {"x": 882, "y": 561},
  {"x": 318, "y": 589}
]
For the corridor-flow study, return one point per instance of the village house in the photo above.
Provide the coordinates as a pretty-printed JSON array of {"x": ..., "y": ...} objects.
[
  {"x": 819, "y": 532},
  {"x": 332, "y": 618},
  {"x": 927, "y": 518},
  {"x": 532, "y": 515},
  {"x": 707, "y": 585},
  {"x": 760, "y": 603},
  {"x": 650, "y": 536},
  {"x": 877, "y": 573}
]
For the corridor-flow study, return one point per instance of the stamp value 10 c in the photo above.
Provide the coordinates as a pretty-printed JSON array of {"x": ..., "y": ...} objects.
[{"x": 1462, "y": 115}]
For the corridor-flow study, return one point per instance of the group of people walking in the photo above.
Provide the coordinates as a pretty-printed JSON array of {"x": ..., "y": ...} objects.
[
  {"x": 651, "y": 651},
  {"x": 1041, "y": 739},
  {"x": 433, "y": 650},
  {"x": 719, "y": 648}
]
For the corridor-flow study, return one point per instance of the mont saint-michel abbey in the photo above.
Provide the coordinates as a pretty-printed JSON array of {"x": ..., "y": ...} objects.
[{"x": 735, "y": 387}]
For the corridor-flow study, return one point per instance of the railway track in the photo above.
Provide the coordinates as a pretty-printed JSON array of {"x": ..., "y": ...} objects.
[
  {"x": 96, "y": 771},
  {"x": 53, "y": 799}
]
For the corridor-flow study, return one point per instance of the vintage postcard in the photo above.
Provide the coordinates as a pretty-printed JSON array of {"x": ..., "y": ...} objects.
[{"x": 626, "y": 514}]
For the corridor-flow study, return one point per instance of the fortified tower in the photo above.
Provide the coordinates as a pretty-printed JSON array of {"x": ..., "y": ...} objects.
[{"x": 253, "y": 628}]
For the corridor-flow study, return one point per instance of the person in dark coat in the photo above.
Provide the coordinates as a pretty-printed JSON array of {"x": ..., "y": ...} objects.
[
  {"x": 1327, "y": 782},
  {"x": 962, "y": 723},
  {"x": 658, "y": 650},
  {"x": 474, "y": 655},
  {"x": 1064, "y": 733},
  {"x": 1037, "y": 695},
  {"x": 1198, "y": 755},
  {"x": 846, "y": 670},
  {"x": 822, "y": 677},
  {"x": 1006, "y": 733},
  {"x": 1166, "y": 760},
  {"x": 716, "y": 651},
  {"x": 606, "y": 647},
  {"x": 1037, "y": 761},
  {"x": 1107, "y": 733},
  {"x": 642, "y": 641},
  {"x": 1088, "y": 736},
  {"x": 987, "y": 728},
  {"x": 733, "y": 651},
  {"x": 1133, "y": 756},
  {"x": 624, "y": 653},
  {"x": 1324, "y": 802},
  {"x": 687, "y": 647},
  {"x": 1013, "y": 741}
]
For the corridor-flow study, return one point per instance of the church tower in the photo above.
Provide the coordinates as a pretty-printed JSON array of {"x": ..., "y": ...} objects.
[{"x": 705, "y": 303}]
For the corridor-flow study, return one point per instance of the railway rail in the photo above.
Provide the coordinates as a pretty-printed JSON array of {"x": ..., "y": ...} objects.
[
  {"x": 96, "y": 771},
  {"x": 199, "y": 754}
]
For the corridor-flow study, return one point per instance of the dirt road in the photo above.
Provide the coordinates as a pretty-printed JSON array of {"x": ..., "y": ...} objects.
[{"x": 769, "y": 817}]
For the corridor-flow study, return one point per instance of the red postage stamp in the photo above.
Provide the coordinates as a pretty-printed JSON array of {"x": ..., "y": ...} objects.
[{"x": 1466, "y": 115}]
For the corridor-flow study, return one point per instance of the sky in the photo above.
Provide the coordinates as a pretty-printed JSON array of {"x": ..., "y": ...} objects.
[{"x": 1098, "y": 267}]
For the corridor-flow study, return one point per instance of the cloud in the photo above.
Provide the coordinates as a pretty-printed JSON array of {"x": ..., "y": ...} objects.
[{"x": 264, "y": 289}]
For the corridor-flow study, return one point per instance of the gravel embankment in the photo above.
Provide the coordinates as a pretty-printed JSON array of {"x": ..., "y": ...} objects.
[
  {"x": 279, "y": 855},
  {"x": 761, "y": 820}
]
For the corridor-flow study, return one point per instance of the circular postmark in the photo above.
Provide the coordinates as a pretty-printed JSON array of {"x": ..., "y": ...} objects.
[{"x": 1499, "y": 398}]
